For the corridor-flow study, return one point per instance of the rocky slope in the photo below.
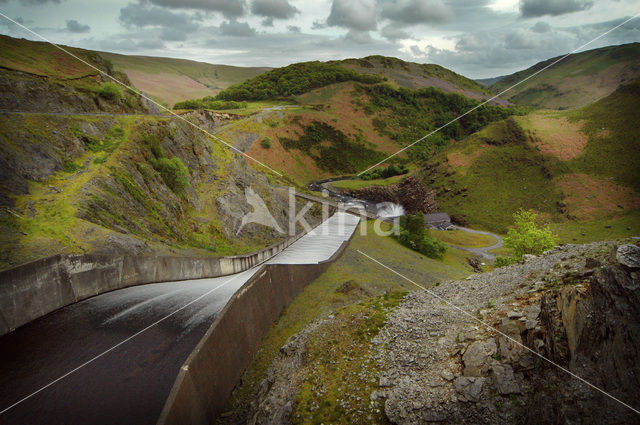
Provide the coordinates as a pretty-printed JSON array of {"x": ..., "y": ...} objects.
[
  {"x": 89, "y": 169},
  {"x": 576, "y": 305}
]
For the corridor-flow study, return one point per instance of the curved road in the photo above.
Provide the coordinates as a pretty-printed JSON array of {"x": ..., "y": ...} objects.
[
  {"x": 112, "y": 359},
  {"x": 484, "y": 251}
]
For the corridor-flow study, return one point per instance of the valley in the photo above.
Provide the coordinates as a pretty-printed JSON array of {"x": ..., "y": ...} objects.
[{"x": 507, "y": 243}]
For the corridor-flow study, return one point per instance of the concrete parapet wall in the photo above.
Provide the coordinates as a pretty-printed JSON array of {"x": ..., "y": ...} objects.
[
  {"x": 35, "y": 289},
  {"x": 209, "y": 375}
]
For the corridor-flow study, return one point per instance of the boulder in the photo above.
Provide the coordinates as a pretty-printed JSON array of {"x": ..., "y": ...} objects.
[{"x": 629, "y": 256}]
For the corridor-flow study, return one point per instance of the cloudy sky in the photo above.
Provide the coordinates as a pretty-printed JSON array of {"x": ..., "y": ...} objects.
[{"x": 477, "y": 38}]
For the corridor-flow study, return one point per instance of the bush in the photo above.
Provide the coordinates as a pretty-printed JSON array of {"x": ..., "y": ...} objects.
[
  {"x": 383, "y": 173},
  {"x": 110, "y": 91},
  {"x": 415, "y": 236},
  {"x": 209, "y": 102},
  {"x": 526, "y": 237},
  {"x": 266, "y": 142},
  {"x": 173, "y": 172}
]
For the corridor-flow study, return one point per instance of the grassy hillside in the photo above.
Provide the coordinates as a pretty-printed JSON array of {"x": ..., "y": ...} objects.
[
  {"x": 137, "y": 184},
  {"x": 574, "y": 167},
  {"x": 416, "y": 76},
  {"x": 343, "y": 128},
  {"x": 576, "y": 81},
  {"x": 172, "y": 80}
]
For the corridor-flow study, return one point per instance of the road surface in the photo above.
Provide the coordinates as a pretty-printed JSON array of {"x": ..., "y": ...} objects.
[{"x": 118, "y": 353}]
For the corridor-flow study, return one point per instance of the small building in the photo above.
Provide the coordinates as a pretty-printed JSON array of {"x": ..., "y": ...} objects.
[{"x": 438, "y": 221}]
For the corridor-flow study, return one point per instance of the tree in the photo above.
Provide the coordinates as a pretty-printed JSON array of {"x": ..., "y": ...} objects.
[{"x": 527, "y": 237}]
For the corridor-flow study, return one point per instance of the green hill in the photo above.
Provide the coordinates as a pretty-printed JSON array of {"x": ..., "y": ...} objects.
[
  {"x": 576, "y": 81},
  {"x": 413, "y": 75},
  {"x": 172, "y": 80},
  {"x": 574, "y": 167}
]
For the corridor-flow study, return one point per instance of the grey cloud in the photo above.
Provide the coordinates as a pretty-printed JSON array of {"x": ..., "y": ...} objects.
[
  {"x": 358, "y": 37},
  {"x": 318, "y": 24},
  {"x": 416, "y": 11},
  {"x": 294, "y": 28},
  {"x": 267, "y": 22},
  {"x": 141, "y": 16},
  {"x": 519, "y": 39},
  {"x": 173, "y": 34},
  {"x": 129, "y": 45},
  {"x": 541, "y": 27},
  {"x": 359, "y": 15},
  {"x": 534, "y": 8},
  {"x": 150, "y": 44},
  {"x": 236, "y": 29},
  {"x": 229, "y": 8},
  {"x": 275, "y": 9},
  {"x": 76, "y": 27},
  {"x": 392, "y": 33}
]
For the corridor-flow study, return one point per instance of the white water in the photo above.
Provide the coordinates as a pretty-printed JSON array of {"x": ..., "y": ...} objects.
[{"x": 389, "y": 209}]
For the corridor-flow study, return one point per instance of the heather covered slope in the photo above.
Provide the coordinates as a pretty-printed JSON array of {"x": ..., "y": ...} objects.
[
  {"x": 574, "y": 167},
  {"x": 577, "y": 80}
]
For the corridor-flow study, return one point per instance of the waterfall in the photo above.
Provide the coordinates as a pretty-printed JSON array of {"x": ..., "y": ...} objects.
[{"x": 389, "y": 209}]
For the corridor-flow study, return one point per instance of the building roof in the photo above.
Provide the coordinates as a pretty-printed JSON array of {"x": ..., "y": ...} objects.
[{"x": 437, "y": 218}]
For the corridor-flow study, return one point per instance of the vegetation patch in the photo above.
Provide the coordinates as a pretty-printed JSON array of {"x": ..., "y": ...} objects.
[
  {"x": 415, "y": 236},
  {"x": 110, "y": 91},
  {"x": 591, "y": 197},
  {"x": 555, "y": 135},
  {"x": 210, "y": 102},
  {"x": 407, "y": 115},
  {"x": 385, "y": 172},
  {"x": 293, "y": 80},
  {"x": 332, "y": 150},
  {"x": 526, "y": 237},
  {"x": 338, "y": 386}
]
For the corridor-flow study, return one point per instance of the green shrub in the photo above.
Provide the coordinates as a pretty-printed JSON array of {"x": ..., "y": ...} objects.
[
  {"x": 526, "y": 237},
  {"x": 383, "y": 173},
  {"x": 173, "y": 172},
  {"x": 209, "y": 102},
  {"x": 70, "y": 167},
  {"x": 266, "y": 142},
  {"x": 153, "y": 143},
  {"x": 415, "y": 236},
  {"x": 110, "y": 91},
  {"x": 504, "y": 261}
]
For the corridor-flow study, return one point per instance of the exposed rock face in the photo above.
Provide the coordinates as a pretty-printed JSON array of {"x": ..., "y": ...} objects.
[
  {"x": 410, "y": 192},
  {"x": 629, "y": 256},
  {"x": 587, "y": 322}
]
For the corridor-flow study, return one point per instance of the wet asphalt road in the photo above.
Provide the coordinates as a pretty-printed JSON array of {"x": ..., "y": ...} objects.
[{"x": 127, "y": 385}]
